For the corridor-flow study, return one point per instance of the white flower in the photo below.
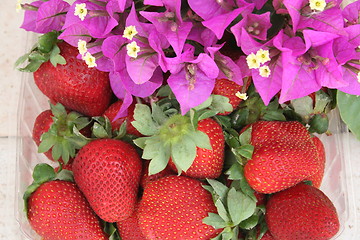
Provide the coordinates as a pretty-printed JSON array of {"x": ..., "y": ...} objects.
[
  {"x": 90, "y": 60},
  {"x": 130, "y": 32},
  {"x": 132, "y": 49},
  {"x": 263, "y": 56},
  {"x": 242, "y": 96},
  {"x": 81, "y": 11},
  {"x": 318, "y": 5},
  {"x": 264, "y": 71},
  {"x": 18, "y": 6},
  {"x": 252, "y": 61},
  {"x": 82, "y": 47}
]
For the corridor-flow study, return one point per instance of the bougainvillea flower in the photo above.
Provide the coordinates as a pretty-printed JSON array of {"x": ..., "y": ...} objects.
[
  {"x": 74, "y": 33},
  {"x": 98, "y": 21},
  {"x": 256, "y": 25},
  {"x": 30, "y": 16},
  {"x": 193, "y": 84},
  {"x": 351, "y": 13}
]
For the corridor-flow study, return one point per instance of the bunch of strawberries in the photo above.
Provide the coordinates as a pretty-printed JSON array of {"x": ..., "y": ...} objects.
[{"x": 225, "y": 170}]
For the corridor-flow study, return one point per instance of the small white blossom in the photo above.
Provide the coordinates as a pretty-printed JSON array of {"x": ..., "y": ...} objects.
[
  {"x": 318, "y": 5},
  {"x": 264, "y": 71},
  {"x": 130, "y": 32},
  {"x": 18, "y": 6},
  {"x": 82, "y": 47},
  {"x": 242, "y": 96},
  {"x": 263, "y": 56},
  {"x": 252, "y": 61},
  {"x": 90, "y": 60},
  {"x": 81, "y": 11},
  {"x": 132, "y": 49}
]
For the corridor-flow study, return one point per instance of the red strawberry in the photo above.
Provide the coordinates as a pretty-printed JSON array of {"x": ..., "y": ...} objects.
[
  {"x": 111, "y": 113},
  {"x": 283, "y": 156},
  {"x": 207, "y": 163},
  {"x": 316, "y": 179},
  {"x": 129, "y": 228},
  {"x": 173, "y": 207},
  {"x": 302, "y": 212},
  {"x": 228, "y": 88},
  {"x": 108, "y": 172},
  {"x": 58, "y": 210},
  {"x": 146, "y": 178},
  {"x": 267, "y": 236},
  {"x": 75, "y": 85}
]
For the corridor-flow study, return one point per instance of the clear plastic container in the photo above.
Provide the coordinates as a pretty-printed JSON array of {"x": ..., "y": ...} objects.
[{"x": 337, "y": 182}]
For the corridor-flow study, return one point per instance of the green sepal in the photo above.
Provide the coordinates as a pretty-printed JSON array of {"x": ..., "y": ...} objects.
[
  {"x": 111, "y": 230},
  {"x": 47, "y": 41},
  {"x": 245, "y": 151},
  {"x": 319, "y": 123},
  {"x": 245, "y": 137},
  {"x": 121, "y": 133},
  {"x": 200, "y": 139},
  {"x": 158, "y": 153},
  {"x": 239, "y": 118},
  {"x": 222, "y": 211},
  {"x": 219, "y": 189},
  {"x": 215, "y": 221},
  {"x": 102, "y": 127},
  {"x": 55, "y": 57},
  {"x": 221, "y": 104},
  {"x": 240, "y": 206},
  {"x": 303, "y": 106},
  {"x": 183, "y": 153},
  {"x": 250, "y": 223},
  {"x": 143, "y": 120},
  {"x": 349, "y": 107}
]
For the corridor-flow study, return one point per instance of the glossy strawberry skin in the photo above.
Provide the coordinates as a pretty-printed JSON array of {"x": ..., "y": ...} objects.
[
  {"x": 228, "y": 88},
  {"x": 111, "y": 113},
  {"x": 129, "y": 228},
  {"x": 317, "y": 178},
  {"x": 108, "y": 172},
  {"x": 58, "y": 210},
  {"x": 302, "y": 212},
  {"x": 173, "y": 207},
  {"x": 77, "y": 87},
  {"x": 207, "y": 163},
  {"x": 283, "y": 156}
]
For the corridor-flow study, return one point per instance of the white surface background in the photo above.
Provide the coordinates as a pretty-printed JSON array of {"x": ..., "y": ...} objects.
[{"x": 12, "y": 42}]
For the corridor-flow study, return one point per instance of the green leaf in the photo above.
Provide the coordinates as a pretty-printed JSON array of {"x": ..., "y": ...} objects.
[
  {"x": 21, "y": 59},
  {"x": 205, "y": 104},
  {"x": 200, "y": 139},
  {"x": 215, "y": 221},
  {"x": 239, "y": 118},
  {"x": 141, "y": 142},
  {"x": 55, "y": 57},
  {"x": 58, "y": 110},
  {"x": 274, "y": 115},
  {"x": 164, "y": 91},
  {"x": 65, "y": 175},
  {"x": 220, "y": 189},
  {"x": 46, "y": 42},
  {"x": 144, "y": 122},
  {"x": 47, "y": 142},
  {"x": 43, "y": 172},
  {"x": 224, "y": 121},
  {"x": 207, "y": 114},
  {"x": 31, "y": 67},
  {"x": 235, "y": 172},
  {"x": 249, "y": 223},
  {"x": 29, "y": 190},
  {"x": 245, "y": 151},
  {"x": 111, "y": 230},
  {"x": 57, "y": 150},
  {"x": 303, "y": 106},
  {"x": 221, "y": 104},
  {"x": 158, "y": 115},
  {"x": 349, "y": 107},
  {"x": 99, "y": 131},
  {"x": 322, "y": 100},
  {"x": 319, "y": 123},
  {"x": 240, "y": 206},
  {"x": 221, "y": 209},
  {"x": 183, "y": 153},
  {"x": 38, "y": 56},
  {"x": 194, "y": 118},
  {"x": 245, "y": 137}
]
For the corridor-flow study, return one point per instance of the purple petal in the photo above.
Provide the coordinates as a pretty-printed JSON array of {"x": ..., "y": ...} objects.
[
  {"x": 343, "y": 50},
  {"x": 207, "y": 65},
  {"x": 353, "y": 86},
  {"x": 190, "y": 96},
  {"x": 206, "y": 9},
  {"x": 133, "y": 20},
  {"x": 123, "y": 4},
  {"x": 246, "y": 42},
  {"x": 30, "y": 16},
  {"x": 141, "y": 69},
  {"x": 318, "y": 38},
  {"x": 354, "y": 34},
  {"x": 116, "y": 85},
  {"x": 158, "y": 3},
  {"x": 297, "y": 80},
  {"x": 294, "y": 9},
  {"x": 158, "y": 43},
  {"x": 51, "y": 16},
  {"x": 351, "y": 12},
  {"x": 258, "y": 3},
  {"x": 73, "y": 33},
  {"x": 113, "y": 48},
  {"x": 127, "y": 101}
]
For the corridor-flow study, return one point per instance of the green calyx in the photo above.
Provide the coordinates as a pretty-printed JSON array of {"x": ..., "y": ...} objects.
[
  {"x": 44, "y": 173},
  {"x": 44, "y": 50},
  {"x": 64, "y": 137},
  {"x": 175, "y": 128}
]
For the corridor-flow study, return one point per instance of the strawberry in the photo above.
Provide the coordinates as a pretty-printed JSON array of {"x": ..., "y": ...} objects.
[
  {"x": 301, "y": 212},
  {"x": 283, "y": 156},
  {"x": 108, "y": 172},
  {"x": 111, "y": 113},
  {"x": 316, "y": 179},
  {"x": 129, "y": 228},
  {"x": 146, "y": 178},
  {"x": 74, "y": 84},
  {"x": 173, "y": 207},
  {"x": 58, "y": 210},
  {"x": 208, "y": 163},
  {"x": 228, "y": 88}
]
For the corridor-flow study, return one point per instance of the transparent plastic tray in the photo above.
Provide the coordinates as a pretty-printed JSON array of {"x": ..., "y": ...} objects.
[{"x": 337, "y": 182}]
